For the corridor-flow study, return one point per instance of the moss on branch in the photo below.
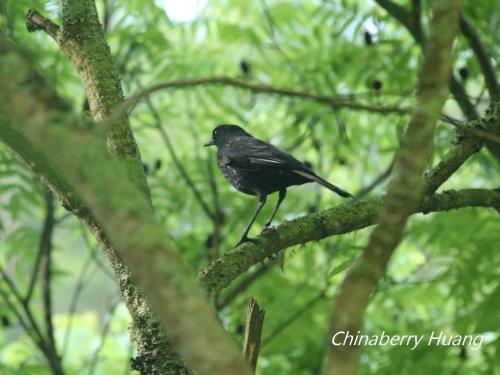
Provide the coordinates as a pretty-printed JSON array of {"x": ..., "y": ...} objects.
[{"x": 334, "y": 221}]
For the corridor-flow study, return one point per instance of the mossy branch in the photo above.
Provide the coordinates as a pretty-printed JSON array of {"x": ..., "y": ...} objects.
[
  {"x": 338, "y": 220},
  {"x": 345, "y": 218},
  {"x": 404, "y": 191},
  {"x": 119, "y": 210},
  {"x": 82, "y": 40}
]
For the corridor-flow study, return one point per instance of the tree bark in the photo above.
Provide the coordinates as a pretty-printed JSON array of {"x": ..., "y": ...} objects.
[
  {"x": 404, "y": 192},
  {"x": 118, "y": 213},
  {"x": 82, "y": 41}
]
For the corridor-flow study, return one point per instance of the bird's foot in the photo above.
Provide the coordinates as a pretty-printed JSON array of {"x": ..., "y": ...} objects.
[
  {"x": 247, "y": 239},
  {"x": 267, "y": 229}
]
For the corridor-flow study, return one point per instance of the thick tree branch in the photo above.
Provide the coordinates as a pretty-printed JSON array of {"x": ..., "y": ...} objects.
[
  {"x": 82, "y": 41},
  {"x": 404, "y": 190},
  {"x": 463, "y": 148},
  {"x": 222, "y": 272},
  {"x": 155, "y": 350},
  {"x": 334, "y": 221},
  {"x": 104, "y": 184},
  {"x": 450, "y": 163}
]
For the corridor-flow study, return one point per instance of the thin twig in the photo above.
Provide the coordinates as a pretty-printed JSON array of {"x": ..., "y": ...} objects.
[
  {"x": 47, "y": 268},
  {"x": 218, "y": 213},
  {"x": 471, "y": 129},
  {"x": 293, "y": 317},
  {"x": 277, "y": 46},
  {"x": 383, "y": 176},
  {"x": 18, "y": 315},
  {"x": 166, "y": 139},
  {"x": 26, "y": 310},
  {"x": 80, "y": 285},
  {"x": 104, "y": 335},
  {"x": 34, "y": 273},
  {"x": 243, "y": 285},
  {"x": 416, "y": 16},
  {"x": 109, "y": 7},
  {"x": 31, "y": 326},
  {"x": 48, "y": 225},
  {"x": 407, "y": 19},
  {"x": 338, "y": 102},
  {"x": 35, "y": 21}
]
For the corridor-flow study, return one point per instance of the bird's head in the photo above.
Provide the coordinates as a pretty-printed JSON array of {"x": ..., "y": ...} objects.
[{"x": 223, "y": 133}]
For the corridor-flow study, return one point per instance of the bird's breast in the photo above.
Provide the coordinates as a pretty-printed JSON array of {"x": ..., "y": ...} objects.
[{"x": 239, "y": 179}]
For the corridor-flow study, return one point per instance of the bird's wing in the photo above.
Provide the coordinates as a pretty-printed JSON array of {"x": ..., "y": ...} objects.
[{"x": 253, "y": 154}]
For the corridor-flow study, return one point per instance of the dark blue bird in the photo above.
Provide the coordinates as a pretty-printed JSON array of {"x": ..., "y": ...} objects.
[{"x": 258, "y": 168}]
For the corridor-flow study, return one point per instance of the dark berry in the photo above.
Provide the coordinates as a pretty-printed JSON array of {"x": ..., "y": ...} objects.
[
  {"x": 464, "y": 73},
  {"x": 368, "y": 38},
  {"x": 377, "y": 85},
  {"x": 245, "y": 67}
]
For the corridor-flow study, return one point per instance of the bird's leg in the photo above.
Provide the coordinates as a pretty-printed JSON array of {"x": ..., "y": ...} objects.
[
  {"x": 281, "y": 197},
  {"x": 262, "y": 202}
]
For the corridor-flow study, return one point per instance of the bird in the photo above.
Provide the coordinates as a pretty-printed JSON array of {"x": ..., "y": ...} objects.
[{"x": 258, "y": 168}]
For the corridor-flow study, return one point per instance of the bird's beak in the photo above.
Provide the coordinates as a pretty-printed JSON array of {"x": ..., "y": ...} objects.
[{"x": 210, "y": 142}]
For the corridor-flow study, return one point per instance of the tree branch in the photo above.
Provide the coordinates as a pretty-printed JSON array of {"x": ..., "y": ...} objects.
[
  {"x": 338, "y": 102},
  {"x": 450, "y": 163},
  {"x": 35, "y": 21},
  {"x": 473, "y": 129},
  {"x": 243, "y": 285},
  {"x": 46, "y": 244},
  {"x": 407, "y": 19},
  {"x": 220, "y": 273},
  {"x": 180, "y": 167},
  {"x": 45, "y": 238},
  {"x": 30, "y": 325},
  {"x": 464, "y": 147},
  {"x": 404, "y": 192},
  {"x": 294, "y": 316},
  {"x": 341, "y": 219},
  {"x": 83, "y": 42},
  {"x": 136, "y": 239}
]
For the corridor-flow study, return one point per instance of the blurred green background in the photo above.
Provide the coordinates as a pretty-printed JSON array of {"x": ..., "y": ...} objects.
[{"x": 444, "y": 276}]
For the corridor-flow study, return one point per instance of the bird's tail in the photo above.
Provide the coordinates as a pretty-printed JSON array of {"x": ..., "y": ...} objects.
[{"x": 314, "y": 177}]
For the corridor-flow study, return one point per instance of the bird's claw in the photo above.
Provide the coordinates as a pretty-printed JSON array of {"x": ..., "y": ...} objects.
[
  {"x": 267, "y": 229},
  {"x": 247, "y": 239}
]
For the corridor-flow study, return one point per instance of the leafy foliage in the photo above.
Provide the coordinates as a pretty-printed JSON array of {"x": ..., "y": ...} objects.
[{"x": 445, "y": 275}]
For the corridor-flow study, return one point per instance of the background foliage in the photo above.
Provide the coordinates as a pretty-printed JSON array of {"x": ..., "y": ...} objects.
[{"x": 445, "y": 274}]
